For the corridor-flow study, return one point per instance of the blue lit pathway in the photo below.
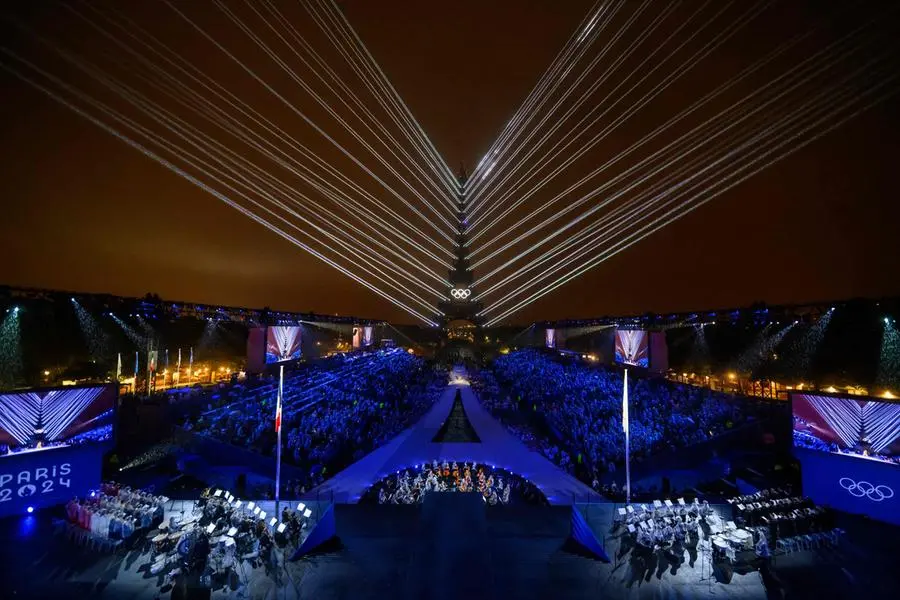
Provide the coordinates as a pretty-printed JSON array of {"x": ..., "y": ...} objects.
[{"x": 497, "y": 448}]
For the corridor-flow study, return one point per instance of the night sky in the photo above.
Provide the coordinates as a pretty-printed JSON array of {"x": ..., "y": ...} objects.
[{"x": 84, "y": 212}]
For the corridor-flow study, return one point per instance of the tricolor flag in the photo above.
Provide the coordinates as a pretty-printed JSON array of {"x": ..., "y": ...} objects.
[
  {"x": 278, "y": 401},
  {"x": 278, "y": 417},
  {"x": 625, "y": 404}
]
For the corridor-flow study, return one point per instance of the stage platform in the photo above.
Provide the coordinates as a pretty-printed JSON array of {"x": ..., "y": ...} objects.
[{"x": 415, "y": 446}]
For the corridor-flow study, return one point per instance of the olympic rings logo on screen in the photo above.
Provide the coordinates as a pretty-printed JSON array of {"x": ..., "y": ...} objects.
[
  {"x": 460, "y": 294},
  {"x": 875, "y": 493}
]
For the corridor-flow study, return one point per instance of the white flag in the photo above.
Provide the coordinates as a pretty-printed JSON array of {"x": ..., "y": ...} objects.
[{"x": 625, "y": 404}]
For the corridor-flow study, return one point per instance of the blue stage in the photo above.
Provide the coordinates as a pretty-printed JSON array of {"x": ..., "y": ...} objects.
[{"x": 497, "y": 448}]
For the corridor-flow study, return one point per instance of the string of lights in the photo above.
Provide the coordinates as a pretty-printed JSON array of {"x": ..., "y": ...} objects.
[
  {"x": 844, "y": 418},
  {"x": 597, "y": 261},
  {"x": 59, "y": 408},
  {"x": 380, "y": 204}
]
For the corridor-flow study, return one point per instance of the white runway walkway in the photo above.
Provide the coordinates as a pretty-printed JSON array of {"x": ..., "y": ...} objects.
[{"x": 497, "y": 448}]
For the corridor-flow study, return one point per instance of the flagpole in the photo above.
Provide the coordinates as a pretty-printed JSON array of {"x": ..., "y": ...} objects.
[
  {"x": 278, "y": 446},
  {"x": 627, "y": 440}
]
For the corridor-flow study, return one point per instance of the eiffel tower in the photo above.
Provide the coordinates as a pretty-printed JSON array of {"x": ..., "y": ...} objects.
[{"x": 459, "y": 308}]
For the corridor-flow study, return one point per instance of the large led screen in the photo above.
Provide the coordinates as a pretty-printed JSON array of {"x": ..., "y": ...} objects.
[
  {"x": 368, "y": 335},
  {"x": 550, "y": 338},
  {"x": 863, "y": 428},
  {"x": 42, "y": 420},
  {"x": 282, "y": 343},
  {"x": 632, "y": 348}
]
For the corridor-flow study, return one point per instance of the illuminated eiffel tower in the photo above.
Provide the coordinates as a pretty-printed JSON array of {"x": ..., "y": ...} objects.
[{"x": 460, "y": 309}]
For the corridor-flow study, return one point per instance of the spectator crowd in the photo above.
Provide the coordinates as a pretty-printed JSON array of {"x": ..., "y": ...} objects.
[
  {"x": 333, "y": 413},
  {"x": 572, "y": 412}
]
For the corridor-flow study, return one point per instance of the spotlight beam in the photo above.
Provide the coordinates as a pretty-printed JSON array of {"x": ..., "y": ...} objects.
[
  {"x": 667, "y": 218},
  {"x": 681, "y": 146},
  {"x": 673, "y": 176},
  {"x": 217, "y": 194},
  {"x": 352, "y": 207},
  {"x": 442, "y": 233},
  {"x": 626, "y": 218},
  {"x": 480, "y": 197},
  {"x": 334, "y": 115},
  {"x": 538, "y": 94},
  {"x": 247, "y": 113},
  {"x": 584, "y": 97},
  {"x": 673, "y": 76},
  {"x": 191, "y": 135},
  {"x": 436, "y": 180},
  {"x": 544, "y": 89},
  {"x": 390, "y": 99}
]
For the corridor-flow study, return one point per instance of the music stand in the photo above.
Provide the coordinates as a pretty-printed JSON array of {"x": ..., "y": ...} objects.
[{"x": 706, "y": 553}]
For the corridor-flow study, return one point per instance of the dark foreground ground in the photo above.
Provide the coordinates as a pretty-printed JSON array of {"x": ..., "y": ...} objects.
[{"x": 450, "y": 548}]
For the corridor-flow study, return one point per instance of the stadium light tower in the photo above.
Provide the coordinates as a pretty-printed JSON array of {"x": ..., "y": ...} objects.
[{"x": 460, "y": 308}]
